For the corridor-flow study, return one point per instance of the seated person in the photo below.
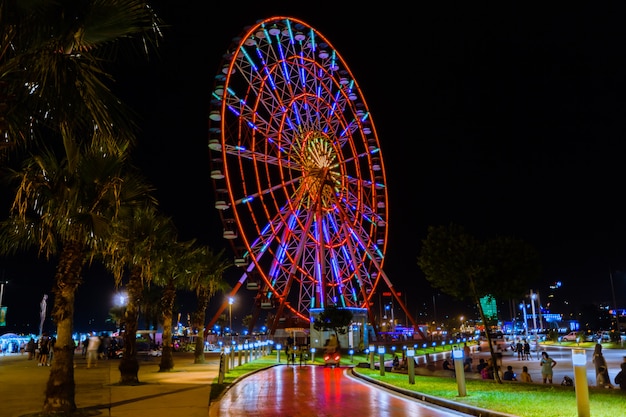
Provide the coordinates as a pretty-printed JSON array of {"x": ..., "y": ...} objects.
[
  {"x": 396, "y": 362},
  {"x": 509, "y": 375},
  {"x": 446, "y": 365},
  {"x": 481, "y": 364}
]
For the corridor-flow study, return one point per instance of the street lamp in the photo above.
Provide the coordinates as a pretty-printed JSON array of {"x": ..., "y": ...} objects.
[
  {"x": 120, "y": 302},
  {"x": 231, "y": 300}
]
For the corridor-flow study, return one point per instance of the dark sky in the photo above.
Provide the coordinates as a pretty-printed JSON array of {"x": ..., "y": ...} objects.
[{"x": 506, "y": 120}]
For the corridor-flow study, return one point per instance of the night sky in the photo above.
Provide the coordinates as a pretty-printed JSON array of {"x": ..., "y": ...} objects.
[{"x": 506, "y": 120}]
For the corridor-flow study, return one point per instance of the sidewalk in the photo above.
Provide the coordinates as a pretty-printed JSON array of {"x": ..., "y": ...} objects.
[{"x": 181, "y": 392}]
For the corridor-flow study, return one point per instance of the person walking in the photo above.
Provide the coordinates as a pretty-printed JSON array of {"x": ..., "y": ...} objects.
[
  {"x": 547, "y": 363},
  {"x": 92, "y": 350},
  {"x": 525, "y": 376},
  {"x": 601, "y": 367}
]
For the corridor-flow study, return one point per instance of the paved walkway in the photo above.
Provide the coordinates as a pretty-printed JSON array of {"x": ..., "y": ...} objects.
[{"x": 184, "y": 392}]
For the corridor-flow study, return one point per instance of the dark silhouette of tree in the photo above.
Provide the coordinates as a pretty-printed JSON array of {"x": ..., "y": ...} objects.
[
  {"x": 335, "y": 319},
  {"x": 466, "y": 268}
]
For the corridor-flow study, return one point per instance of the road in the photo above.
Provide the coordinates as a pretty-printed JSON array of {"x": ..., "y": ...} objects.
[{"x": 314, "y": 391}]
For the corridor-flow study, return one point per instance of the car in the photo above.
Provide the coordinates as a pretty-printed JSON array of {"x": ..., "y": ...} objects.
[
  {"x": 570, "y": 337},
  {"x": 332, "y": 358}
]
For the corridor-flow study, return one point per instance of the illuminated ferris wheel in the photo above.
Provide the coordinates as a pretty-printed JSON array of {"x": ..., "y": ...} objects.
[{"x": 298, "y": 172}]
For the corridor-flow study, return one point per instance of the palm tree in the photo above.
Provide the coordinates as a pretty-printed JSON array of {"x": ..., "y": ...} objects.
[
  {"x": 205, "y": 278},
  {"x": 53, "y": 58},
  {"x": 54, "y": 94},
  {"x": 174, "y": 265},
  {"x": 150, "y": 308},
  {"x": 134, "y": 250},
  {"x": 64, "y": 208}
]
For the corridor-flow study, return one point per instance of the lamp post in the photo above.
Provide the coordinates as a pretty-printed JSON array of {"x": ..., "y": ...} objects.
[
  {"x": 120, "y": 303},
  {"x": 231, "y": 300}
]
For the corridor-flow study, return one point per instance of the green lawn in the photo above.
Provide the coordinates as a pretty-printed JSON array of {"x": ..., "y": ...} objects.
[{"x": 517, "y": 398}]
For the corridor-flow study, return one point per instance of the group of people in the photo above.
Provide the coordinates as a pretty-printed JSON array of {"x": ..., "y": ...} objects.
[
  {"x": 41, "y": 350},
  {"x": 486, "y": 368},
  {"x": 602, "y": 372},
  {"x": 522, "y": 349}
]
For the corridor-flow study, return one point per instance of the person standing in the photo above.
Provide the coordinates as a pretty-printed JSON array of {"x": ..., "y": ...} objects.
[
  {"x": 30, "y": 348},
  {"x": 519, "y": 348},
  {"x": 51, "y": 342},
  {"x": 526, "y": 350},
  {"x": 44, "y": 349},
  {"x": 92, "y": 350},
  {"x": 601, "y": 367},
  {"x": 547, "y": 363}
]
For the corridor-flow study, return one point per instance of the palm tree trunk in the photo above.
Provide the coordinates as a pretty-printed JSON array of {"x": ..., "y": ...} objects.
[
  {"x": 129, "y": 365},
  {"x": 199, "y": 318},
  {"x": 167, "y": 306},
  {"x": 61, "y": 388}
]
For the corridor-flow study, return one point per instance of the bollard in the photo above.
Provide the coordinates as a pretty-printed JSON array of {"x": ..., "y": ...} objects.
[
  {"x": 457, "y": 355},
  {"x": 381, "y": 360},
  {"x": 410, "y": 354},
  {"x": 372, "y": 350},
  {"x": 226, "y": 358}
]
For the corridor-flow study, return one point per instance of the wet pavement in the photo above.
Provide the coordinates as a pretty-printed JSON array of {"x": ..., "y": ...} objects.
[{"x": 317, "y": 391}]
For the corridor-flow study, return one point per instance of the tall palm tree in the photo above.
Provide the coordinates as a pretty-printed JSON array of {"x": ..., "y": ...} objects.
[
  {"x": 64, "y": 208},
  {"x": 135, "y": 254},
  {"x": 175, "y": 263},
  {"x": 206, "y": 279}
]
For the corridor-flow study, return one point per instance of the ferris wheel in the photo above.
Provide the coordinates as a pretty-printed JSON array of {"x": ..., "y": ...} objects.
[{"x": 298, "y": 172}]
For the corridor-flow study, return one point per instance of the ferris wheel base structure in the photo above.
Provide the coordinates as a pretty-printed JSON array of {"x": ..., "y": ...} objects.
[{"x": 298, "y": 175}]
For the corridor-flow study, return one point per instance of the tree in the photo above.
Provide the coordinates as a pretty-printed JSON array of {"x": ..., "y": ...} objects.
[
  {"x": 53, "y": 58},
  {"x": 334, "y": 318},
  {"x": 52, "y": 76},
  {"x": 65, "y": 211},
  {"x": 175, "y": 263},
  {"x": 132, "y": 252},
  {"x": 205, "y": 278},
  {"x": 469, "y": 269}
]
